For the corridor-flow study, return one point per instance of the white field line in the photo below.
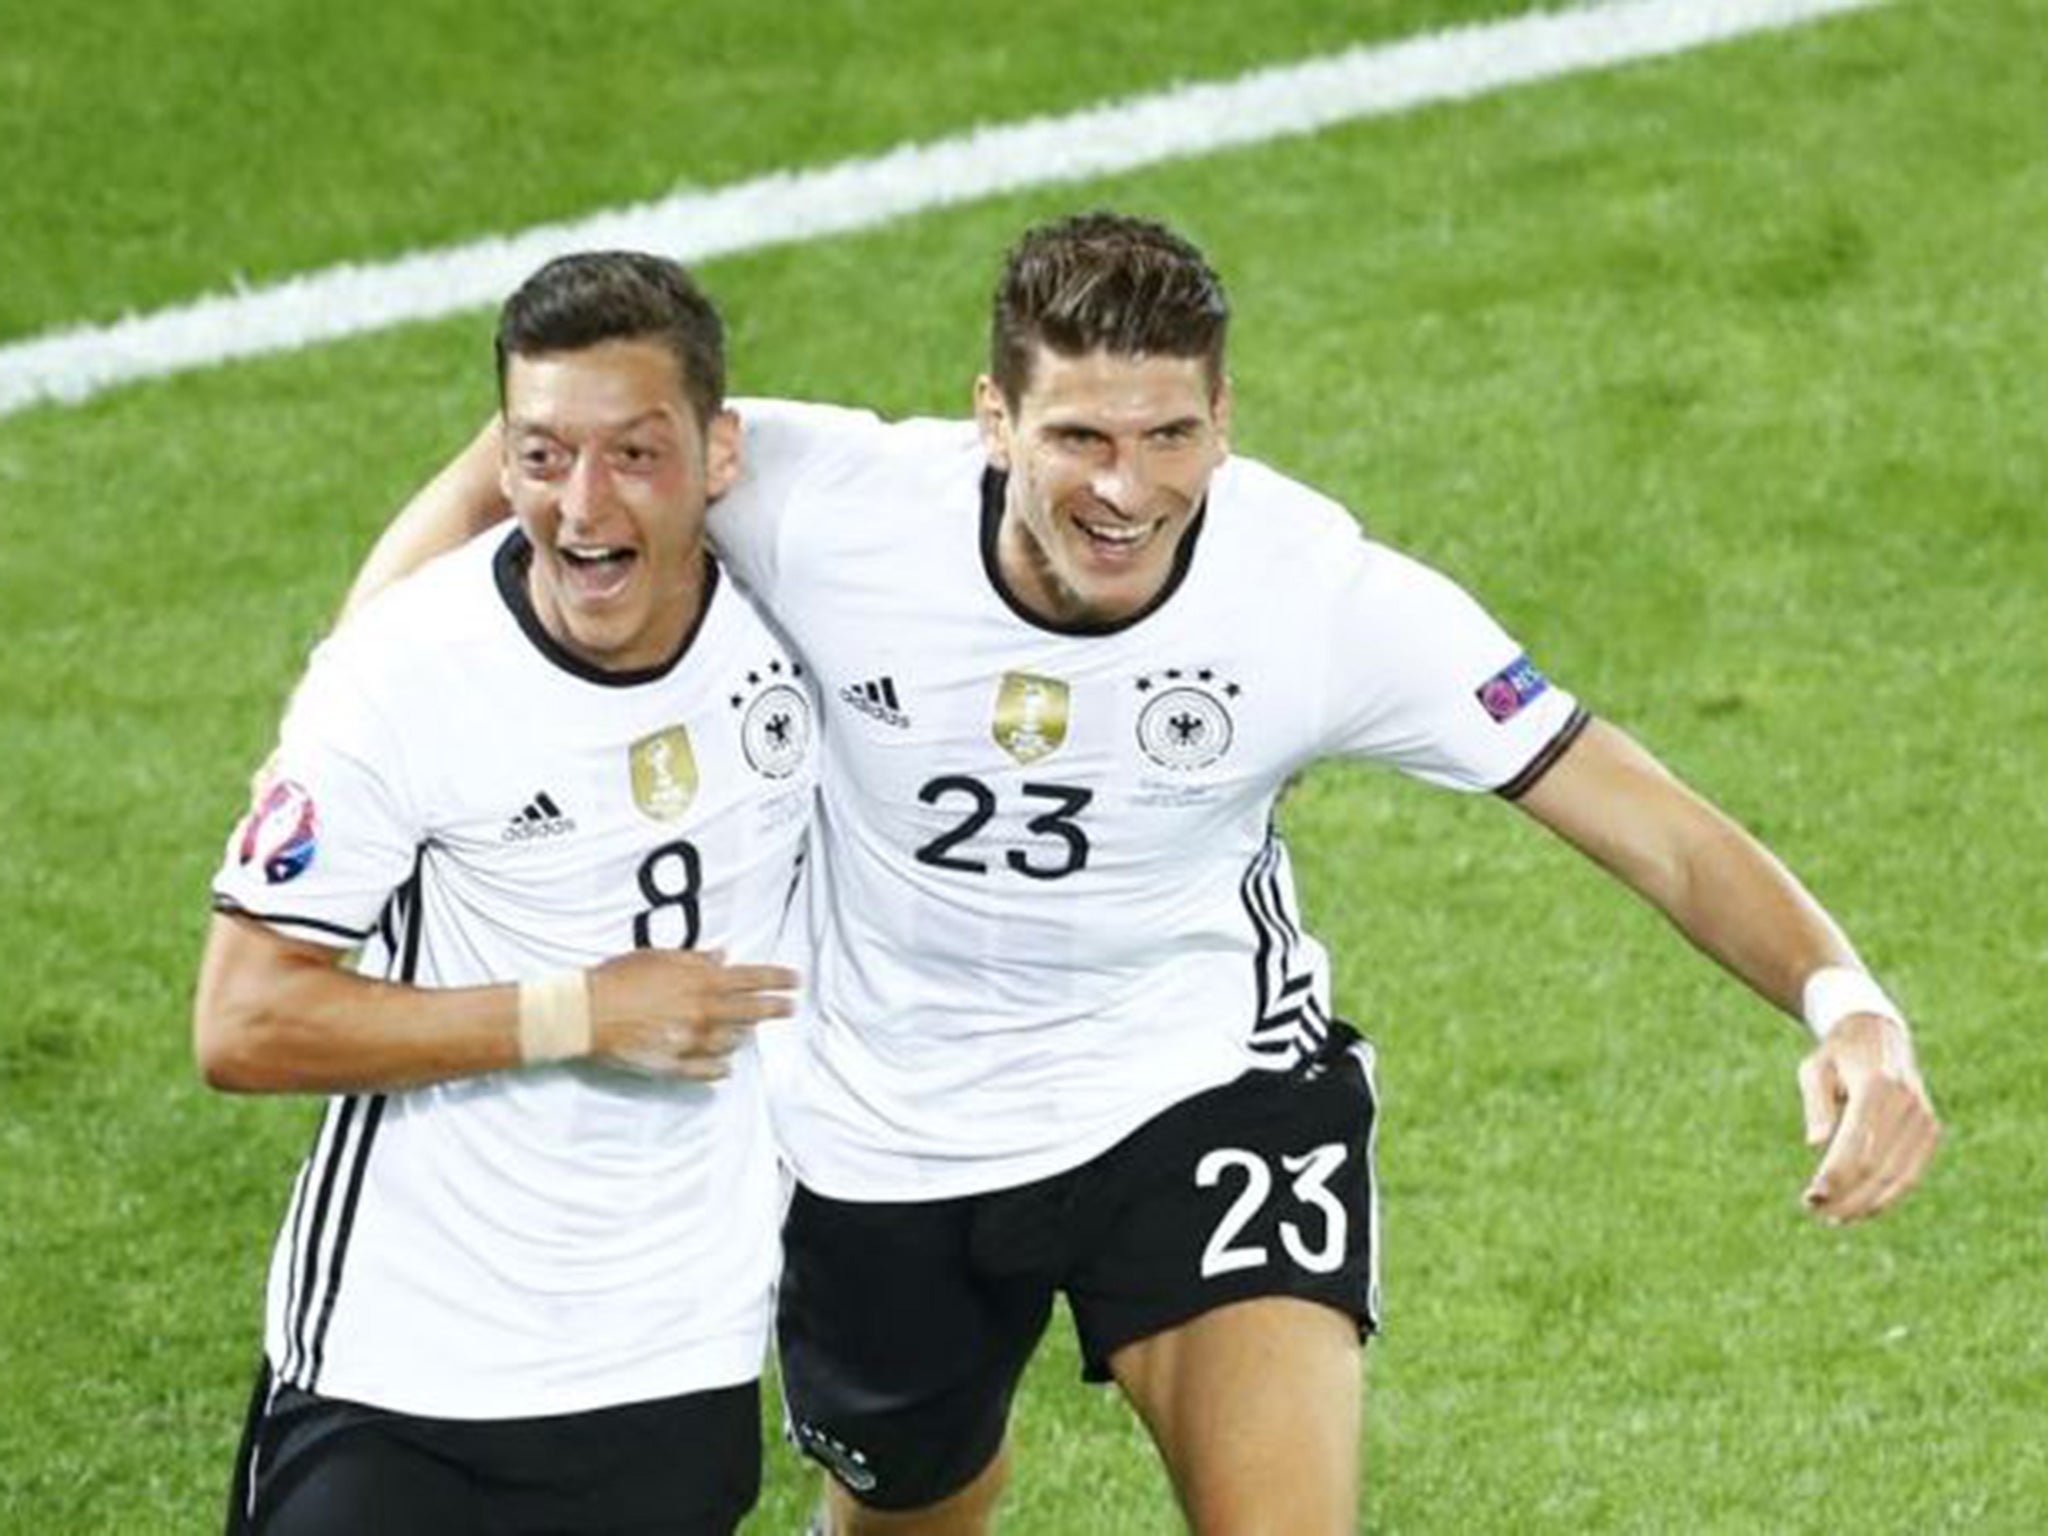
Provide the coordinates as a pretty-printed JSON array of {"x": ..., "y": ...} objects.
[{"x": 788, "y": 206}]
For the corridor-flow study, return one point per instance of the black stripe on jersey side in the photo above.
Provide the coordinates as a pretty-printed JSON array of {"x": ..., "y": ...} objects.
[
  {"x": 408, "y": 902},
  {"x": 796, "y": 881},
  {"x": 993, "y": 483},
  {"x": 1290, "y": 1023},
  {"x": 335, "y": 1130},
  {"x": 546, "y": 804},
  {"x": 311, "y": 1295},
  {"x": 1245, "y": 891},
  {"x": 1278, "y": 880},
  {"x": 1290, "y": 930},
  {"x": 227, "y": 906},
  {"x": 1301, "y": 1011},
  {"x": 373, "y": 1115},
  {"x": 510, "y": 566},
  {"x": 298, "y": 1216},
  {"x": 1546, "y": 759}
]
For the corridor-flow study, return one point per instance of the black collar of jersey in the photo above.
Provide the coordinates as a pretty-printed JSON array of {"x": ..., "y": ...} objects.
[
  {"x": 510, "y": 565},
  {"x": 993, "y": 483}
]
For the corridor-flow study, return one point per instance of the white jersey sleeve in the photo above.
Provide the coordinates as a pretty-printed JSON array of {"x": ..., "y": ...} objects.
[
  {"x": 333, "y": 830},
  {"x": 785, "y": 443},
  {"x": 1422, "y": 678}
]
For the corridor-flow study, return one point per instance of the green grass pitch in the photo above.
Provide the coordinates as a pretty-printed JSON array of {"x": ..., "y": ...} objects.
[{"x": 1719, "y": 377}]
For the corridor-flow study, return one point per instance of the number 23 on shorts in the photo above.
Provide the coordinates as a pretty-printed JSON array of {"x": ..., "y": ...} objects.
[{"x": 1315, "y": 1241}]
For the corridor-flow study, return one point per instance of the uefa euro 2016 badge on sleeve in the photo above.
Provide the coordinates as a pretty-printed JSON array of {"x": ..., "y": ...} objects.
[{"x": 281, "y": 832}]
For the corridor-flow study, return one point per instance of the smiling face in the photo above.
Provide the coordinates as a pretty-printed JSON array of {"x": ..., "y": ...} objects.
[
  {"x": 609, "y": 471},
  {"x": 1108, "y": 458}
]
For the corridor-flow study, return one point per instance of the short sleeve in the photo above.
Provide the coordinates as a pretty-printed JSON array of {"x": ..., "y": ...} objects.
[
  {"x": 1425, "y": 680},
  {"x": 783, "y": 444},
  {"x": 328, "y": 835}
]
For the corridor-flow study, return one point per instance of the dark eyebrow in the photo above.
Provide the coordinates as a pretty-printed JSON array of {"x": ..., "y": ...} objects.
[
  {"x": 1188, "y": 423},
  {"x": 518, "y": 424},
  {"x": 655, "y": 416}
]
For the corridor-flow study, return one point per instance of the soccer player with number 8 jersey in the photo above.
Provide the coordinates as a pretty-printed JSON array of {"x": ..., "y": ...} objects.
[{"x": 524, "y": 1279}]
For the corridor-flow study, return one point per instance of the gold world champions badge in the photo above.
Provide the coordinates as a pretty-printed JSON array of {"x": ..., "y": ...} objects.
[
  {"x": 664, "y": 773},
  {"x": 1031, "y": 715}
]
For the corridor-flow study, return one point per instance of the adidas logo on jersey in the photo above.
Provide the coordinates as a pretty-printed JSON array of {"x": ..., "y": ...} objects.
[
  {"x": 877, "y": 700},
  {"x": 541, "y": 817}
]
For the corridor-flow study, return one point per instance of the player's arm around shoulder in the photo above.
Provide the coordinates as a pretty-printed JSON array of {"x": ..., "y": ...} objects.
[
  {"x": 463, "y": 498},
  {"x": 1865, "y": 1100}
]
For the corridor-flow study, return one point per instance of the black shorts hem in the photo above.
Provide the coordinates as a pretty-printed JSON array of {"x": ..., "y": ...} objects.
[{"x": 1096, "y": 1352}]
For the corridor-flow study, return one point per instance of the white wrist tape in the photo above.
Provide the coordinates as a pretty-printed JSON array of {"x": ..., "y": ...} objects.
[
  {"x": 554, "y": 1017},
  {"x": 1834, "y": 992}
]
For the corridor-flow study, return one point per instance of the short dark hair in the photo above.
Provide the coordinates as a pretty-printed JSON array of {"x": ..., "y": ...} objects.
[
  {"x": 1105, "y": 282},
  {"x": 580, "y": 300}
]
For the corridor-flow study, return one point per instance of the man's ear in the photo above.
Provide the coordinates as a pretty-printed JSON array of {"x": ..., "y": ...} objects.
[
  {"x": 992, "y": 418},
  {"x": 1224, "y": 400},
  {"x": 722, "y": 439}
]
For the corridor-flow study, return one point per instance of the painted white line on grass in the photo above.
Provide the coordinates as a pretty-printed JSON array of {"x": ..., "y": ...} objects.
[{"x": 1190, "y": 120}]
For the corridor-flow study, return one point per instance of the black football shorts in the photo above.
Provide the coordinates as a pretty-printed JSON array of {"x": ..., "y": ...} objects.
[
  {"x": 904, "y": 1327},
  {"x": 319, "y": 1466}
]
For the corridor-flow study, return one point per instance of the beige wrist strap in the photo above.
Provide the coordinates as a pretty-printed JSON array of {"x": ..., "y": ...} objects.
[
  {"x": 554, "y": 1017},
  {"x": 1834, "y": 992}
]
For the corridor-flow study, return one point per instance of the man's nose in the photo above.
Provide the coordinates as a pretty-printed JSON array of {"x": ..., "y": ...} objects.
[
  {"x": 586, "y": 490},
  {"x": 1120, "y": 481}
]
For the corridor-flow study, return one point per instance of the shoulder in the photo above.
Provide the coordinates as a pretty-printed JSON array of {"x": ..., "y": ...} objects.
[
  {"x": 800, "y": 425},
  {"x": 828, "y": 440},
  {"x": 412, "y": 634},
  {"x": 1259, "y": 502},
  {"x": 1305, "y": 541},
  {"x": 1271, "y": 523}
]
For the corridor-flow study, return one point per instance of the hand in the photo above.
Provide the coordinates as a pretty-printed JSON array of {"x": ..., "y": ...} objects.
[
  {"x": 1866, "y": 1104},
  {"x": 681, "y": 1012}
]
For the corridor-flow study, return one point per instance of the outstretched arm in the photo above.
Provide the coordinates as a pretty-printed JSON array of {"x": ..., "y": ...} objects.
[
  {"x": 457, "y": 504},
  {"x": 277, "y": 1015},
  {"x": 1864, "y": 1098}
]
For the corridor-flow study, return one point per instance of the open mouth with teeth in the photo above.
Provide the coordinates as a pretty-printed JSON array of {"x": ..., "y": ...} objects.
[
  {"x": 1115, "y": 542},
  {"x": 597, "y": 571}
]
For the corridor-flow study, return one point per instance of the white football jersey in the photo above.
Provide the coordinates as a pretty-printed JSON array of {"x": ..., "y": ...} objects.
[
  {"x": 469, "y": 803},
  {"x": 1047, "y": 898}
]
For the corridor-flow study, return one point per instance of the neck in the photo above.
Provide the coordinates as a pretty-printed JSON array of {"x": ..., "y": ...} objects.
[{"x": 1022, "y": 563}]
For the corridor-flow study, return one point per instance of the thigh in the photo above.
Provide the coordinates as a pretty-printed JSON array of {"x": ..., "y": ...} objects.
[
  {"x": 1256, "y": 1408},
  {"x": 1260, "y": 1188},
  {"x": 899, "y": 1358}
]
